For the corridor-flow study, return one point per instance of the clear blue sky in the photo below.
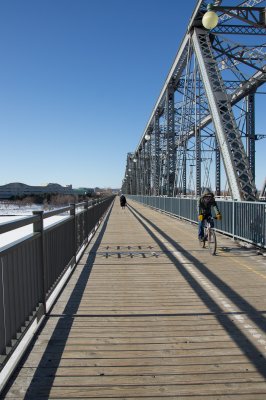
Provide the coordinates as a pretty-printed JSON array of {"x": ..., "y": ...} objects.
[{"x": 78, "y": 82}]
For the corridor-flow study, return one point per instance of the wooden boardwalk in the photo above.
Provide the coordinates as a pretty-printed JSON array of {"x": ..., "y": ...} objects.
[{"x": 148, "y": 314}]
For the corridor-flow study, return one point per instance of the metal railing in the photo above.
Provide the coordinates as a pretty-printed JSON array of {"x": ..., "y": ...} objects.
[
  {"x": 31, "y": 267},
  {"x": 242, "y": 220}
]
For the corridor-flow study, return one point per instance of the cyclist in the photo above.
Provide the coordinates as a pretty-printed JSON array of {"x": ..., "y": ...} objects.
[{"x": 205, "y": 204}]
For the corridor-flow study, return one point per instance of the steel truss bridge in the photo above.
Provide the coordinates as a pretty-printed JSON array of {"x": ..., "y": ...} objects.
[{"x": 201, "y": 132}]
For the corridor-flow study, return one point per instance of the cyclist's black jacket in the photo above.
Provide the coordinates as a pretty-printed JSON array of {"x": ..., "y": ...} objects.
[{"x": 205, "y": 205}]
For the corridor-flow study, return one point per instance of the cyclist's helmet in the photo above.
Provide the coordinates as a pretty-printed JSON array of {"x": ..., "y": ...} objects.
[{"x": 207, "y": 192}]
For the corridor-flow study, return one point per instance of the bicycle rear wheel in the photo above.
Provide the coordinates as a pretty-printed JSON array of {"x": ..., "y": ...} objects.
[{"x": 212, "y": 242}]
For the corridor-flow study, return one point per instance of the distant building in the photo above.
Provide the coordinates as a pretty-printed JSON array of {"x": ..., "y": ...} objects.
[
  {"x": 22, "y": 190},
  {"x": 82, "y": 191},
  {"x": 106, "y": 190}
]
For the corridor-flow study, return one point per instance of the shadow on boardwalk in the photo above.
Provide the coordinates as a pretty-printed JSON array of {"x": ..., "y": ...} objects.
[
  {"x": 43, "y": 380},
  {"x": 240, "y": 339},
  {"x": 52, "y": 355}
]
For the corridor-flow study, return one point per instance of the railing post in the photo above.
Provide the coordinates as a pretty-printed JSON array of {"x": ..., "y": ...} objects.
[
  {"x": 38, "y": 228},
  {"x": 73, "y": 214},
  {"x": 86, "y": 207},
  {"x": 233, "y": 219},
  {"x": 264, "y": 223}
]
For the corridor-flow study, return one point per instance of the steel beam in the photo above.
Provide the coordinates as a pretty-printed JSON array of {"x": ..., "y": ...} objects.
[
  {"x": 258, "y": 79},
  {"x": 156, "y": 160},
  {"x": 170, "y": 137},
  {"x": 198, "y": 162},
  {"x": 174, "y": 75},
  {"x": 218, "y": 168},
  {"x": 250, "y": 129},
  {"x": 239, "y": 30},
  {"x": 235, "y": 159},
  {"x": 263, "y": 190}
]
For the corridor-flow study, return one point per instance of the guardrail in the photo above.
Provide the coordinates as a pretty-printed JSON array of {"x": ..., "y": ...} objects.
[
  {"x": 32, "y": 267},
  {"x": 242, "y": 220}
]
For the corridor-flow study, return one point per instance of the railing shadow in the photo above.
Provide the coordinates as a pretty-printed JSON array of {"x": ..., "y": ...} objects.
[
  {"x": 240, "y": 339},
  {"x": 42, "y": 381}
]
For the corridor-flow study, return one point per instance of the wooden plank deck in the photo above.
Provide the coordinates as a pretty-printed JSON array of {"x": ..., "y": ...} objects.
[{"x": 148, "y": 314}]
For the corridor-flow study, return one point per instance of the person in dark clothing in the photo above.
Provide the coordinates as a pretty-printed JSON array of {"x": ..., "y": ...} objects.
[
  {"x": 205, "y": 205},
  {"x": 123, "y": 201}
]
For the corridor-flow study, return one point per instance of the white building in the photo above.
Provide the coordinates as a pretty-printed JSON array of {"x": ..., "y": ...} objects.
[{"x": 21, "y": 190}]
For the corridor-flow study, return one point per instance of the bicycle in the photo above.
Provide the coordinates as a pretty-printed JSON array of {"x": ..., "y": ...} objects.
[{"x": 209, "y": 236}]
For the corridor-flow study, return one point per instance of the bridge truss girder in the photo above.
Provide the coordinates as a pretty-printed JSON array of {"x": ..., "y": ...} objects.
[
  {"x": 202, "y": 128},
  {"x": 235, "y": 159}
]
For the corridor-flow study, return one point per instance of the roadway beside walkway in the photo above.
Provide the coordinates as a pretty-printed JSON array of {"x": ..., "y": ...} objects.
[{"x": 148, "y": 314}]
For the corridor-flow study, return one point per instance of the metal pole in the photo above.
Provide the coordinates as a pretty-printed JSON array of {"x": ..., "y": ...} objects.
[
  {"x": 170, "y": 149},
  {"x": 218, "y": 168},
  {"x": 73, "y": 214},
  {"x": 198, "y": 162},
  {"x": 197, "y": 130},
  {"x": 38, "y": 228},
  {"x": 86, "y": 207},
  {"x": 184, "y": 190},
  {"x": 148, "y": 182},
  {"x": 156, "y": 168},
  {"x": 250, "y": 132}
]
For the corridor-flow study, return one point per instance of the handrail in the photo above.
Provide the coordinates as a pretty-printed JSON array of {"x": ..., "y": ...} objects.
[
  {"x": 34, "y": 268},
  {"x": 62, "y": 210},
  {"x": 243, "y": 220},
  {"x": 24, "y": 221},
  {"x": 11, "y": 225}
]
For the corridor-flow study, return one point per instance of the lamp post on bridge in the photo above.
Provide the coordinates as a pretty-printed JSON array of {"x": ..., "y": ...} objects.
[
  {"x": 210, "y": 18},
  {"x": 147, "y": 168}
]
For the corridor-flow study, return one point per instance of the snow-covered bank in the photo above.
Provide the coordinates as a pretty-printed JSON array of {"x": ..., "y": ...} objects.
[
  {"x": 12, "y": 211},
  {"x": 9, "y": 237},
  {"x": 16, "y": 209}
]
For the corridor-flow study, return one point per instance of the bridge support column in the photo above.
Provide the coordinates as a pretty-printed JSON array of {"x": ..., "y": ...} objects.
[
  {"x": 198, "y": 162},
  {"x": 156, "y": 160},
  {"x": 170, "y": 147},
  {"x": 236, "y": 163},
  {"x": 138, "y": 190},
  {"x": 250, "y": 132},
  {"x": 184, "y": 169},
  {"x": 142, "y": 170},
  {"x": 218, "y": 168}
]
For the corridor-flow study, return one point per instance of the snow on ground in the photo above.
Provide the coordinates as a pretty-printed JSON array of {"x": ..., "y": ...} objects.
[
  {"x": 9, "y": 237},
  {"x": 15, "y": 209}
]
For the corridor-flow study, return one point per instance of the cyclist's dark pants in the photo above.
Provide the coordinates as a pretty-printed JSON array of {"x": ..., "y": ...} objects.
[{"x": 201, "y": 226}]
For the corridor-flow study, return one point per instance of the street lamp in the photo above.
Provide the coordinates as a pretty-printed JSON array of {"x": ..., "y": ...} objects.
[
  {"x": 210, "y": 18},
  {"x": 147, "y": 137},
  {"x": 134, "y": 160}
]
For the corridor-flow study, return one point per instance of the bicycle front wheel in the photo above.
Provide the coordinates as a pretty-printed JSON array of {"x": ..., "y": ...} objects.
[{"x": 212, "y": 243}]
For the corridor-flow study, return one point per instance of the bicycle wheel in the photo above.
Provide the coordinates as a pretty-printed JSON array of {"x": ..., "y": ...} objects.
[{"x": 212, "y": 243}]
